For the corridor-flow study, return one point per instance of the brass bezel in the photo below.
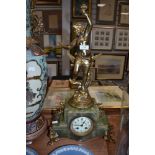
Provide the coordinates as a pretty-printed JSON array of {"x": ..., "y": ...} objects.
[{"x": 83, "y": 133}]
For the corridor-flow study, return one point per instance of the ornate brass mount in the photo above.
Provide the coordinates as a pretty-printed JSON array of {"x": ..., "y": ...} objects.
[{"x": 81, "y": 99}]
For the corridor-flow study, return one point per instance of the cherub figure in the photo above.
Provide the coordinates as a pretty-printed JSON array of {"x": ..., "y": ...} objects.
[
  {"x": 82, "y": 56},
  {"x": 82, "y": 59}
]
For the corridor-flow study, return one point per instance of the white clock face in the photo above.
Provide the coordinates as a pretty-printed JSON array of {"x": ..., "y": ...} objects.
[{"x": 81, "y": 126}]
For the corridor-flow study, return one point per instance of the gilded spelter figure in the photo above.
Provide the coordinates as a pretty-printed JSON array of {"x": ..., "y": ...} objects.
[
  {"x": 82, "y": 60},
  {"x": 82, "y": 56}
]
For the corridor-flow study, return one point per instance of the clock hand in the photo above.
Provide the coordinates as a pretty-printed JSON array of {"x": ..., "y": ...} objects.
[
  {"x": 77, "y": 125},
  {"x": 83, "y": 123}
]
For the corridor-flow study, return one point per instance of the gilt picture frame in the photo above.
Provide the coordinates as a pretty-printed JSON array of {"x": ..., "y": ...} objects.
[
  {"x": 52, "y": 20},
  {"x": 106, "y": 12},
  {"x": 110, "y": 67},
  {"x": 76, "y": 11}
]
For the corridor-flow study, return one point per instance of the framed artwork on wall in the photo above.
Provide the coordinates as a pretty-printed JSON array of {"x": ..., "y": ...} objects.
[
  {"x": 122, "y": 39},
  {"x": 123, "y": 18},
  {"x": 47, "y": 2},
  {"x": 76, "y": 11},
  {"x": 110, "y": 67},
  {"x": 52, "y": 20},
  {"x": 102, "y": 38},
  {"x": 106, "y": 11}
]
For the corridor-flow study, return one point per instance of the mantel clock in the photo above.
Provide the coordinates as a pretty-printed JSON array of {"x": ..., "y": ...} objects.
[{"x": 81, "y": 118}]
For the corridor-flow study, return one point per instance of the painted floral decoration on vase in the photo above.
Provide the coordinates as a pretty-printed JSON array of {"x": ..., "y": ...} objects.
[{"x": 36, "y": 81}]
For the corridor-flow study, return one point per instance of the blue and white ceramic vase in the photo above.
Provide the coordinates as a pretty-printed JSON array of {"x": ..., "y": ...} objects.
[{"x": 36, "y": 83}]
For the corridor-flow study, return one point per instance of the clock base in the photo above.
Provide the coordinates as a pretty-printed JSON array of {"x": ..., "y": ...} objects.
[{"x": 100, "y": 122}]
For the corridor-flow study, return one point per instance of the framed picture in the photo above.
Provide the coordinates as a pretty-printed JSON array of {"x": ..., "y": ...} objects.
[
  {"x": 106, "y": 11},
  {"x": 76, "y": 4},
  {"x": 74, "y": 22},
  {"x": 110, "y": 67},
  {"x": 102, "y": 38},
  {"x": 47, "y": 2},
  {"x": 122, "y": 39},
  {"x": 52, "y": 20},
  {"x": 123, "y": 18}
]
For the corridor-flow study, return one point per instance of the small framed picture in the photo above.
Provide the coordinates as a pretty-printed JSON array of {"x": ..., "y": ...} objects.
[
  {"x": 47, "y": 2},
  {"x": 123, "y": 18},
  {"x": 106, "y": 11},
  {"x": 110, "y": 67},
  {"x": 122, "y": 39},
  {"x": 75, "y": 22},
  {"x": 102, "y": 38},
  {"x": 52, "y": 20},
  {"x": 76, "y": 4}
]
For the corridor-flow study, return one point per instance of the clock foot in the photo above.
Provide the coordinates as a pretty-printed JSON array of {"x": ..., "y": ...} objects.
[{"x": 53, "y": 136}]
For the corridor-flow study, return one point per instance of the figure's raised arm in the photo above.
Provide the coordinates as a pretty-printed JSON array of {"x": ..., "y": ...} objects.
[{"x": 89, "y": 25}]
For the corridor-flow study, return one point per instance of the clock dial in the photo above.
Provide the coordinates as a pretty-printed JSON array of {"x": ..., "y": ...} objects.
[{"x": 81, "y": 126}]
